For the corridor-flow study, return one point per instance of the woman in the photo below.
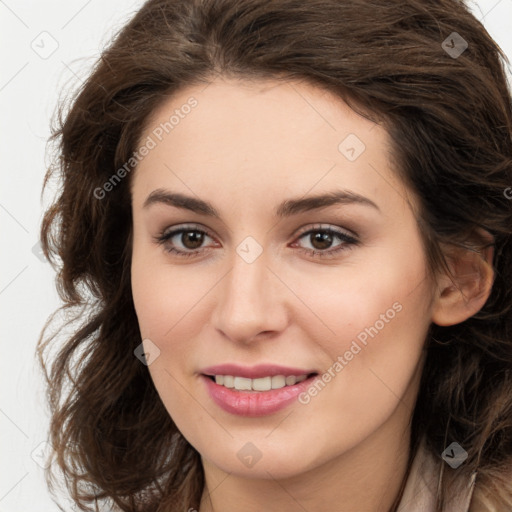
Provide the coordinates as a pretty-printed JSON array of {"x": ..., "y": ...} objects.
[{"x": 286, "y": 230}]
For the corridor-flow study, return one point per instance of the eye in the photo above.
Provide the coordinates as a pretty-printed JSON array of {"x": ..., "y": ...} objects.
[
  {"x": 321, "y": 238},
  {"x": 192, "y": 238}
]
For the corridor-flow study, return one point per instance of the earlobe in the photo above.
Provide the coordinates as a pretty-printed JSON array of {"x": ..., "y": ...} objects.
[{"x": 465, "y": 292}]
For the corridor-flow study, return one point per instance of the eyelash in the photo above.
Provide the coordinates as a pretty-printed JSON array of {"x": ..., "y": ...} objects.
[{"x": 348, "y": 241}]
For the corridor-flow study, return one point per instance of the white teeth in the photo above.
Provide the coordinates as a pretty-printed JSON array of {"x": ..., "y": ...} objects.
[
  {"x": 263, "y": 384},
  {"x": 243, "y": 384},
  {"x": 290, "y": 380},
  {"x": 229, "y": 381},
  {"x": 278, "y": 381},
  {"x": 260, "y": 384}
]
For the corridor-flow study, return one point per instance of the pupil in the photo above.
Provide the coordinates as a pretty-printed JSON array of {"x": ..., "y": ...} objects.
[
  {"x": 325, "y": 240},
  {"x": 195, "y": 237}
]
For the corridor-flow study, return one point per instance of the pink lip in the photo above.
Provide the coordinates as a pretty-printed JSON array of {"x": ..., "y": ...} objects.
[
  {"x": 254, "y": 372},
  {"x": 254, "y": 403}
]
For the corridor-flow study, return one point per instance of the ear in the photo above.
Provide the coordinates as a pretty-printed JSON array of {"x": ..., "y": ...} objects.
[{"x": 463, "y": 293}]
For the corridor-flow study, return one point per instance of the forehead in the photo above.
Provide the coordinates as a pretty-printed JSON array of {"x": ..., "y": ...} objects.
[
  {"x": 255, "y": 112},
  {"x": 262, "y": 138}
]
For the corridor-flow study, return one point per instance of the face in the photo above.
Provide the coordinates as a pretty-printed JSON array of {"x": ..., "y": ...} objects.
[{"x": 249, "y": 267}]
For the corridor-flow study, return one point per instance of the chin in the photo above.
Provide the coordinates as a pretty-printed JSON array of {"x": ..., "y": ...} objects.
[{"x": 262, "y": 459}]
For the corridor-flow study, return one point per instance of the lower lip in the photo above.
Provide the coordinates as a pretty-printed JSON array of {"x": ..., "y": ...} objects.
[{"x": 254, "y": 403}]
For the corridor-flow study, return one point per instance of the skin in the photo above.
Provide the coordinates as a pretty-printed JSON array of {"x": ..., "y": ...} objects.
[{"x": 245, "y": 148}]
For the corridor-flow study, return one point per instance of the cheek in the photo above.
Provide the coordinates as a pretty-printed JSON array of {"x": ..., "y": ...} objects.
[
  {"x": 166, "y": 299},
  {"x": 378, "y": 321},
  {"x": 368, "y": 301},
  {"x": 164, "y": 294}
]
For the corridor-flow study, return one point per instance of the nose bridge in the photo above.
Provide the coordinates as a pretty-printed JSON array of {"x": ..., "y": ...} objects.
[{"x": 248, "y": 302}]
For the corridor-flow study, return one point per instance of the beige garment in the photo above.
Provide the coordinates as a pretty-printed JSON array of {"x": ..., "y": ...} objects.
[{"x": 421, "y": 486}]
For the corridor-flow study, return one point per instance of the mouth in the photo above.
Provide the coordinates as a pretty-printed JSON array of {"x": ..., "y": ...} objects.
[{"x": 252, "y": 397}]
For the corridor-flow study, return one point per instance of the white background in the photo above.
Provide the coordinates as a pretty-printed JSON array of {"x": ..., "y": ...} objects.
[{"x": 30, "y": 86}]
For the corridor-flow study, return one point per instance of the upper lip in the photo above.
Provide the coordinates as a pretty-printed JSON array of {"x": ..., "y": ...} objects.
[{"x": 254, "y": 372}]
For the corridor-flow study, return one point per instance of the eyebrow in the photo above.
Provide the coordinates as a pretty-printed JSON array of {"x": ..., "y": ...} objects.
[{"x": 287, "y": 208}]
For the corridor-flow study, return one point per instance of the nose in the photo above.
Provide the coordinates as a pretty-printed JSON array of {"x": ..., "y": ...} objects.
[{"x": 251, "y": 302}]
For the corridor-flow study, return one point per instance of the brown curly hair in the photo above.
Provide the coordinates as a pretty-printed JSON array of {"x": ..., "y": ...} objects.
[{"x": 450, "y": 120}]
